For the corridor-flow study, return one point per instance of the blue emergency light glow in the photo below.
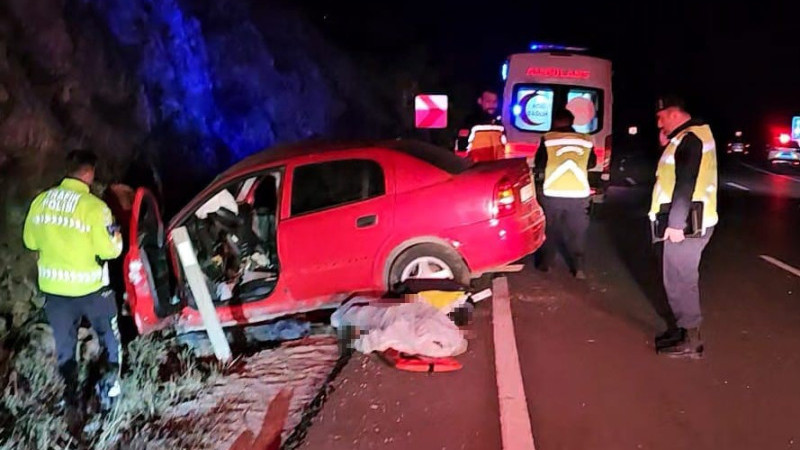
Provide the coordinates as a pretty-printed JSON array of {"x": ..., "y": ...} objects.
[
  {"x": 504, "y": 71},
  {"x": 538, "y": 47},
  {"x": 516, "y": 110}
]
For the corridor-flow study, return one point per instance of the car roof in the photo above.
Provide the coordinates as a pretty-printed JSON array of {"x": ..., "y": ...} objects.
[{"x": 314, "y": 147}]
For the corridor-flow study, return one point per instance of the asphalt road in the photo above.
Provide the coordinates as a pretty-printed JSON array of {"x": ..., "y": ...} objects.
[{"x": 591, "y": 376}]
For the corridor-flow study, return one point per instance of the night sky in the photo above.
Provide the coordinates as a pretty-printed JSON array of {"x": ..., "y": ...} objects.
[{"x": 735, "y": 62}]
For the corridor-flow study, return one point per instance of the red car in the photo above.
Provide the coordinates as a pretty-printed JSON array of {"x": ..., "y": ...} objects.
[{"x": 296, "y": 229}]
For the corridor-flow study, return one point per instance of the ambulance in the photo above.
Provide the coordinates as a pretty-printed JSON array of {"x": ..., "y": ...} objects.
[{"x": 548, "y": 78}]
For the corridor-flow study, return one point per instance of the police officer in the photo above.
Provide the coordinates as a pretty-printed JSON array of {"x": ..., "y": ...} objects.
[
  {"x": 565, "y": 157},
  {"x": 482, "y": 133},
  {"x": 687, "y": 173},
  {"x": 73, "y": 232}
]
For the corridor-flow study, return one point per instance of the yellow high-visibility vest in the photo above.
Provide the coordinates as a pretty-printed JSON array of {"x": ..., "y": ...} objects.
[
  {"x": 705, "y": 189},
  {"x": 70, "y": 229},
  {"x": 486, "y": 142},
  {"x": 566, "y": 174}
]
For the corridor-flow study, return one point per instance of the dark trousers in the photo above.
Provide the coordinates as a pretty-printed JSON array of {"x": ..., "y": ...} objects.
[
  {"x": 681, "y": 267},
  {"x": 567, "y": 224},
  {"x": 64, "y": 315}
]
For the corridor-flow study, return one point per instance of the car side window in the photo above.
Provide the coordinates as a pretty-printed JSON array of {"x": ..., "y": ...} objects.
[{"x": 326, "y": 185}]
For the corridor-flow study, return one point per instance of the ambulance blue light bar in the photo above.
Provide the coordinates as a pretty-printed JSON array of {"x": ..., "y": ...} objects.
[
  {"x": 539, "y": 47},
  {"x": 504, "y": 71}
]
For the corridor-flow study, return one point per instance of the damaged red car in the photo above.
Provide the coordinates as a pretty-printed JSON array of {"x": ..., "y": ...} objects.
[{"x": 302, "y": 228}]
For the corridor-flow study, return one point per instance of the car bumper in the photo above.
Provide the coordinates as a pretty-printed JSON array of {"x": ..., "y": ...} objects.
[
  {"x": 784, "y": 157},
  {"x": 499, "y": 242}
]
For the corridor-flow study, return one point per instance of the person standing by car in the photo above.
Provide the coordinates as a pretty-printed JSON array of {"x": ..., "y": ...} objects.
[
  {"x": 565, "y": 157},
  {"x": 686, "y": 177},
  {"x": 482, "y": 133},
  {"x": 73, "y": 234}
]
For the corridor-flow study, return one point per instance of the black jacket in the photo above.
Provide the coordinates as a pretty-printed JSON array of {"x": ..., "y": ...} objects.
[{"x": 687, "y": 166}]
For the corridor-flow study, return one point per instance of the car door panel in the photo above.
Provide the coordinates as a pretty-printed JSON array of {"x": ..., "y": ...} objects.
[{"x": 332, "y": 251}]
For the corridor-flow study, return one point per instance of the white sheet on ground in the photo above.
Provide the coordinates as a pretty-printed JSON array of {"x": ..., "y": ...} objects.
[{"x": 414, "y": 328}]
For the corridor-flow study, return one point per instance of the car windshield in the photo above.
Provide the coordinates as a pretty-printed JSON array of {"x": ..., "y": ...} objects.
[{"x": 438, "y": 156}]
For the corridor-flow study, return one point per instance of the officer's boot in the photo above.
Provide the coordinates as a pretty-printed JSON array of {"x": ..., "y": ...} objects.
[
  {"x": 673, "y": 336},
  {"x": 691, "y": 347},
  {"x": 108, "y": 388}
]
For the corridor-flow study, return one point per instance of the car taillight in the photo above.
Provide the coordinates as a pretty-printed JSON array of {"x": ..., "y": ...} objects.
[
  {"x": 607, "y": 158},
  {"x": 504, "y": 198}
]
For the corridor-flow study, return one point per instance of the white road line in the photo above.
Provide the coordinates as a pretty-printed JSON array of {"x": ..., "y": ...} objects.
[
  {"x": 758, "y": 169},
  {"x": 776, "y": 262},
  {"x": 515, "y": 422},
  {"x": 631, "y": 181},
  {"x": 737, "y": 186}
]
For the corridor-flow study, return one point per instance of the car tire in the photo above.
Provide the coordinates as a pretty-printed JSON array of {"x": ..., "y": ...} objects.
[{"x": 434, "y": 253}]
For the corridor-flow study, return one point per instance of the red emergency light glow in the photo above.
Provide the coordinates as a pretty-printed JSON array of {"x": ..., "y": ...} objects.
[
  {"x": 556, "y": 72},
  {"x": 784, "y": 138}
]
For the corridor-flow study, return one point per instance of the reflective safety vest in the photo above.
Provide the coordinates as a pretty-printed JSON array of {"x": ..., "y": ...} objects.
[
  {"x": 566, "y": 174},
  {"x": 486, "y": 142},
  {"x": 705, "y": 188},
  {"x": 71, "y": 229}
]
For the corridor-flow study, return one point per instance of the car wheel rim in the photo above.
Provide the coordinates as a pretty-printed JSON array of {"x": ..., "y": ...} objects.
[{"x": 428, "y": 268}]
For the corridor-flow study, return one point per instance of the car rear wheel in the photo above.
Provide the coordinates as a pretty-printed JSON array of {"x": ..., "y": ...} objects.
[{"x": 428, "y": 261}]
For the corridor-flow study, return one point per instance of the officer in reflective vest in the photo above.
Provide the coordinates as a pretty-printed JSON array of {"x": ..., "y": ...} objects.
[
  {"x": 687, "y": 173},
  {"x": 565, "y": 157},
  {"x": 73, "y": 233},
  {"x": 482, "y": 136}
]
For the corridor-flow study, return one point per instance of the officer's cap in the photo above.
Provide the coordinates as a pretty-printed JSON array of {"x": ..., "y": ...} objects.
[{"x": 670, "y": 101}]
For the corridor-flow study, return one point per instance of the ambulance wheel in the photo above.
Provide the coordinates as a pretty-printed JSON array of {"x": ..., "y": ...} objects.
[{"x": 428, "y": 261}]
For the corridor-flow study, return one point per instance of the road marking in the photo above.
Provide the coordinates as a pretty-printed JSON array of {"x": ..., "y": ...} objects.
[
  {"x": 515, "y": 421},
  {"x": 776, "y": 262},
  {"x": 631, "y": 181},
  {"x": 737, "y": 186},
  {"x": 758, "y": 169}
]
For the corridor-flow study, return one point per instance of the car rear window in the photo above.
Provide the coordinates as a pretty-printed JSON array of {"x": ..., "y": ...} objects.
[{"x": 437, "y": 156}]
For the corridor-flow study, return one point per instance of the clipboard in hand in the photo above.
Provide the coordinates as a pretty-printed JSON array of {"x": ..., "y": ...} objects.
[{"x": 694, "y": 223}]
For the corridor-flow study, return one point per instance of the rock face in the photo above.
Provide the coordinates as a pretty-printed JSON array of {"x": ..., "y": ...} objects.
[{"x": 189, "y": 87}]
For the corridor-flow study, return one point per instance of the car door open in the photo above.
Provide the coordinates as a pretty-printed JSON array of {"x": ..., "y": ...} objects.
[{"x": 146, "y": 269}]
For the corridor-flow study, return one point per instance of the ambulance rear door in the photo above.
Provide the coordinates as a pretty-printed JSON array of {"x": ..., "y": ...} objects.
[{"x": 538, "y": 84}]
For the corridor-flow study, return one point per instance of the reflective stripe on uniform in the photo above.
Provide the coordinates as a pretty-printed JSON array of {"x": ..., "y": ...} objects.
[
  {"x": 561, "y": 193},
  {"x": 478, "y": 128},
  {"x": 61, "y": 221},
  {"x": 568, "y": 141},
  {"x": 569, "y": 149},
  {"x": 71, "y": 276},
  {"x": 569, "y": 166}
]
